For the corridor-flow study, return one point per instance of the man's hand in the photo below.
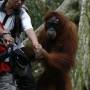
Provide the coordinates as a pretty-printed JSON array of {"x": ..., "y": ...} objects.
[
  {"x": 37, "y": 46},
  {"x": 37, "y": 49},
  {"x": 41, "y": 53}
]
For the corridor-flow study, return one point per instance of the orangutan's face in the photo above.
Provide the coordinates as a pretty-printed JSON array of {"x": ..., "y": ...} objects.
[{"x": 52, "y": 26}]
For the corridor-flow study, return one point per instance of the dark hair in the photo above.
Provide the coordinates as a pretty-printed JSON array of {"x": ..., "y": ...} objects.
[{"x": 3, "y": 5}]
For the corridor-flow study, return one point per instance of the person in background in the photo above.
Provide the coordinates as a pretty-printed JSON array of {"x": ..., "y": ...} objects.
[{"x": 8, "y": 11}]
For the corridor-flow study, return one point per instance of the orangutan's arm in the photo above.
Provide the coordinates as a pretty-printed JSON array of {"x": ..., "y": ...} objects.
[{"x": 61, "y": 61}]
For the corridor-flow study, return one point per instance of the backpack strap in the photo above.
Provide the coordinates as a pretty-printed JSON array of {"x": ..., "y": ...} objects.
[
  {"x": 16, "y": 31},
  {"x": 5, "y": 19}
]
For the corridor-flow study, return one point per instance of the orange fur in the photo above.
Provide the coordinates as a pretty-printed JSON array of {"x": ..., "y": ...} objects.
[{"x": 61, "y": 55}]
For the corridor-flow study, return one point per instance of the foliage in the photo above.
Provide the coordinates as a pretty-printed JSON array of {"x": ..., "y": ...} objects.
[{"x": 38, "y": 9}]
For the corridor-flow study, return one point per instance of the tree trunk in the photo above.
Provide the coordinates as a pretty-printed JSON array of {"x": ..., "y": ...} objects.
[{"x": 83, "y": 55}]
